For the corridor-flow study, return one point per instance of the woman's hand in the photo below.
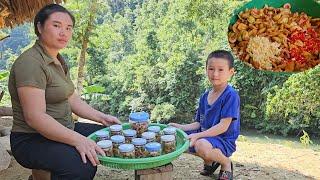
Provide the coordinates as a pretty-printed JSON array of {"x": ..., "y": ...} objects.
[
  {"x": 88, "y": 149},
  {"x": 108, "y": 120},
  {"x": 193, "y": 138}
]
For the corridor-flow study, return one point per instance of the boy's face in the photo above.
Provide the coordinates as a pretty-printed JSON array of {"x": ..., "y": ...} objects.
[{"x": 218, "y": 71}]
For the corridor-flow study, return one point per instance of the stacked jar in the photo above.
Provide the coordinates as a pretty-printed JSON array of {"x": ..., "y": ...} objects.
[
  {"x": 156, "y": 130},
  {"x": 139, "y": 144},
  {"x": 115, "y": 129},
  {"x": 126, "y": 151},
  {"x": 117, "y": 140},
  {"x": 106, "y": 146},
  {"x": 153, "y": 149},
  {"x": 102, "y": 135},
  {"x": 168, "y": 143},
  {"x": 139, "y": 121},
  {"x": 149, "y": 136},
  {"x": 170, "y": 131},
  {"x": 129, "y": 134}
]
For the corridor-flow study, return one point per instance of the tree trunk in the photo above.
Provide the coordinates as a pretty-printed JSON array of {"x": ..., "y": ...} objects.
[
  {"x": 5, "y": 111},
  {"x": 84, "y": 46}
]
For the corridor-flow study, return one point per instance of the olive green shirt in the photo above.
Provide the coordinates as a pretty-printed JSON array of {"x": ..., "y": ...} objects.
[{"x": 36, "y": 68}]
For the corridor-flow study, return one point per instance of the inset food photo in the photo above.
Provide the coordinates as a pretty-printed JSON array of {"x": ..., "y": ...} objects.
[{"x": 278, "y": 36}]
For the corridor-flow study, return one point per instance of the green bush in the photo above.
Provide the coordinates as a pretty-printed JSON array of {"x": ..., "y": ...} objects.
[
  {"x": 162, "y": 113},
  {"x": 253, "y": 86},
  {"x": 295, "y": 106}
]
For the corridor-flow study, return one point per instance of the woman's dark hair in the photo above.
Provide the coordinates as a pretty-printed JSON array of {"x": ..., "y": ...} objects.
[
  {"x": 46, "y": 11},
  {"x": 222, "y": 54}
]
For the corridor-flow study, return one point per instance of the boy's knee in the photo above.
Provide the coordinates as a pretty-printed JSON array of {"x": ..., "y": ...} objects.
[{"x": 200, "y": 145}]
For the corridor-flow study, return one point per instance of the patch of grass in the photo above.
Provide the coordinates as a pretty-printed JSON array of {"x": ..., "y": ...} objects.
[{"x": 293, "y": 142}]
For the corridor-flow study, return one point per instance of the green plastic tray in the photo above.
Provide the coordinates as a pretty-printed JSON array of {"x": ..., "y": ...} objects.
[
  {"x": 149, "y": 162},
  {"x": 310, "y": 7}
]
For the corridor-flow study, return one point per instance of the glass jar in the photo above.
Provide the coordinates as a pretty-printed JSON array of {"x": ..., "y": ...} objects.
[
  {"x": 106, "y": 146},
  {"x": 139, "y": 147},
  {"x": 129, "y": 134},
  {"x": 153, "y": 149},
  {"x": 168, "y": 143},
  {"x": 149, "y": 136},
  {"x": 156, "y": 130},
  {"x": 126, "y": 151},
  {"x": 170, "y": 131},
  {"x": 115, "y": 129},
  {"x": 139, "y": 121},
  {"x": 117, "y": 140},
  {"x": 102, "y": 135}
]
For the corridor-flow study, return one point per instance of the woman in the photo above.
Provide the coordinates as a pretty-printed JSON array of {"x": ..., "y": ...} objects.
[{"x": 44, "y": 135}]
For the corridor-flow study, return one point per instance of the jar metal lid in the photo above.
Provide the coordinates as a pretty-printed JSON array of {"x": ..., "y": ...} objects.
[
  {"x": 102, "y": 133},
  {"x": 139, "y": 116},
  {"x": 139, "y": 141},
  {"x": 116, "y": 127},
  {"x": 129, "y": 132},
  {"x": 169, "y": 130},
  {"x": 154, "y": 129},
  {"x": 148, "y": 135},
  {"x": 126, "y": 147},
  {"x": 104, "y": 144},
  {"x": 168, "y": 138},
  {"x": 117, "y": 139},
  {"x": 153, "y": 146}
]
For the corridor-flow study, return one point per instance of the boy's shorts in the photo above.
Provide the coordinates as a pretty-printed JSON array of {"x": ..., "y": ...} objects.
[{"x": 216, "y": 142}]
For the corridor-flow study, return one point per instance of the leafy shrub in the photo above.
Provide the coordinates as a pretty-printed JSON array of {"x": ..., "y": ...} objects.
[
  {"x": 162, "y": 113},
  {"x": 295, "y": 106}
]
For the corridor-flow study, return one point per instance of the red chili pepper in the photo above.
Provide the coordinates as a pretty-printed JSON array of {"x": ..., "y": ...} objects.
[{"x": 310, "y": 40}]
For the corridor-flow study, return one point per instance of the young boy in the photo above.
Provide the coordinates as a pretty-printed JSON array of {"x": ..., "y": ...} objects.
[{"x": 217, "y": 121}]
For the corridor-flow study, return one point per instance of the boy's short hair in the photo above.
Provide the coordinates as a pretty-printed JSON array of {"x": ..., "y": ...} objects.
[{"x": 222, "y": 54}]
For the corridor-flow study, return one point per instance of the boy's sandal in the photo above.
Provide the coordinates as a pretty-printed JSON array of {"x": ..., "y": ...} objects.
[
  {"x": 226, "y": 175},
  {"x": 209, "y": 170}
]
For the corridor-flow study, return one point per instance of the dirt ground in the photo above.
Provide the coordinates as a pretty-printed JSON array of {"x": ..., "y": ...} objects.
[{"x": 252, "y": 160}]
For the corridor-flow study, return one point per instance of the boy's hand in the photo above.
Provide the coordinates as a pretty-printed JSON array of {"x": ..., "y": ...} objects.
[
  {"x": 193, "y": 138},
  {"x": 176, "y": 125}
]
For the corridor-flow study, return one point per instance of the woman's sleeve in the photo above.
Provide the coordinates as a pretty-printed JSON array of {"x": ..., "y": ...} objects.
[
  {"x": 29, "y": 72},
  {"x": 231, "y": 106}
]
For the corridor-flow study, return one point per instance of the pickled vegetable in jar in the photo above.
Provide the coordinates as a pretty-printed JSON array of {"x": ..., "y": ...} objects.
[
  {"x": 117, "y": 140},
  {"x": 139, "y": 147},
  {"x": 106, "y": 146},
  {"x": 149, "y": 136},
  {"x": 129, "y": 134},
  {"x": 127, "y": 151},
  {"x": 170, "y": 131},
  {"x": 153, "y": 149},
  {"x": 156, "y": 130},
  {"x": 102, "y": 135},
  {"x": 168, "y": 143},
  {"x": 115, "y": 129},
  {"x": 139, "y": 121}
]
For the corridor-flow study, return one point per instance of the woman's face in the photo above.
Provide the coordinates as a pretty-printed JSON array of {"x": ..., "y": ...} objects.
[{"x": 56, "y": 31}]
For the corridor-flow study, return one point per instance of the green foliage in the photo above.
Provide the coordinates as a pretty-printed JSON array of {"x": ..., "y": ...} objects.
[
  {"x": 162, "y": 113},
  {"x": 253, "y": 87},
  {"x": 296, "y": 105},
  {"x": 305, "y": 139},
  {"x": 3, "y": 75}
]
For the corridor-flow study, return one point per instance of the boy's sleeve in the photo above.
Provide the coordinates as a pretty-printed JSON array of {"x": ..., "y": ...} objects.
[
  {"x": 29, "y": 72},
  {"x": 198, "y": 112},
  {"x": 197, "y": 116},
  {"x": 231, "y": 107}
]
